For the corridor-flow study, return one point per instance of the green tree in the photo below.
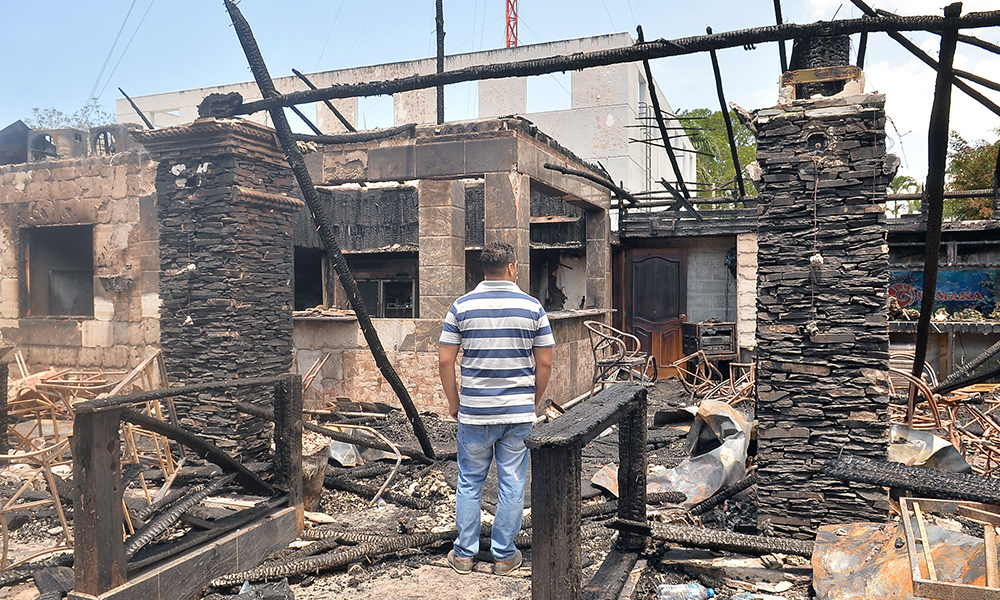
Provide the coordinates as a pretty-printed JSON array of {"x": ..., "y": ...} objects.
[
  {"x": 90, "y": 115},
  {"x": 970, "y": 167},
  {"x": 707, "y": 131},
  {"x": 904, "y": 184}
]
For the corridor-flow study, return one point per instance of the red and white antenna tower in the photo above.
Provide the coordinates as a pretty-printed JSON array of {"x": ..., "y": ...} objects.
[{"x": 511, "y": 23}]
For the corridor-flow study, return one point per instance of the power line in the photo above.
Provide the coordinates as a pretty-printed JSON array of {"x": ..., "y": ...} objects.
[
  {"x": 328, "y": 34},
  {"x": 110, "y": 52},
  {"x": 137, "y": 27}
]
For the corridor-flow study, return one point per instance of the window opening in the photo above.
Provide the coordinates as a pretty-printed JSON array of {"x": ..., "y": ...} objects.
[{"x": 58, "y": 271}]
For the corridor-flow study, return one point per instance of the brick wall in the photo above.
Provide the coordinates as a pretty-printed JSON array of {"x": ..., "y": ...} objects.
[{"x": 115, "y": 195}]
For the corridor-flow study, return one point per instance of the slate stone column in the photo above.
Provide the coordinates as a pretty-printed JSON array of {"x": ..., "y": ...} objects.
[
  {"x": 441, "y": 213},
  {"x": 507, "y": 209},
  {"x": 822, "y": 336},
  {"x": 225, "y": 267}
]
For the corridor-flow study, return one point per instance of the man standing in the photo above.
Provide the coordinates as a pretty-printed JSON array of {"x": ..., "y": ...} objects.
[{"x": 500, "y": 330}]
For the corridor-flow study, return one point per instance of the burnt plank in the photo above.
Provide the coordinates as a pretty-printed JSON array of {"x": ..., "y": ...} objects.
[
  {"x": 609, "y": 580},
  {"x": 288, "y": 442},
  {"x": 632, "y": 472},
  {"x": 588, "y": 419},
  {"x": 555, "y": 534},
  {"x": 99, "y": 550}
]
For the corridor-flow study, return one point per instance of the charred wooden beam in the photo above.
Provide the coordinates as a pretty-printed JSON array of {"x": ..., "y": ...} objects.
[
  {"x": 974, "y": 41},
  {"x": 115, "y": 402},
  {"x": 153, "y": 554},
  {"x": 715, "y": 539},
  {"x": 725, "y": 110},
  {"x": 862, "y": 49},
  {"x": 333, "y": 560},
  {"x": 617, "y": 189},
  {"x": 680, "y": 201},
  {"x": 724, "y": 494},
  {"x": 339, "y": 436},
  {"x": 922, "y": 481},
  {"x": 937, "y": 156},
  {"x": 305, "y": 119},
  {"x": 161, "y": 523},
  {"x": 203, "y": 448},
  {"x": 369, "y": 492},
  {"x": 359, "y": 137},
  {"x": 298, "y": 166},
  {"x": 136, "y": 109},
  {"x": 637, "y": 52},
  {"x": 654, "y": 98},
  {"x": 340, "y": 116},
  {"x": 916, "y": 51}
]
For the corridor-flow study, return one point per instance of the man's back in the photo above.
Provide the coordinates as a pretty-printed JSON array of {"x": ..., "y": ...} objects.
[{"x": 498, "y": 326}]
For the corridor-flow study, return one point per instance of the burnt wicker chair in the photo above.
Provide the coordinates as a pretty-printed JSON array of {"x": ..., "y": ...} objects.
[{"x": 617, "y": 357}]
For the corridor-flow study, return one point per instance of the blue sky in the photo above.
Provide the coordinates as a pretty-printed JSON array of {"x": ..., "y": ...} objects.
[{"x": 53, "y": 52}]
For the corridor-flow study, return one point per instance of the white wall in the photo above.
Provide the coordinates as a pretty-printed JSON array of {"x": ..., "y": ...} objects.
[{"x": 604, "y": 101}]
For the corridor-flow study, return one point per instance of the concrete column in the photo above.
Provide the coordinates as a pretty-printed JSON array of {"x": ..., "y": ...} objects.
[
  {"x": 598, "y": 259},
  {"x": 329, "y": 123},
  {"x": 507, "y": 217},
  {"x": 418, "y": 106},
  {"x": 441, "y": 213},
  {"x": 746, "y": 290},
  {"x": 499, "y": 97}
]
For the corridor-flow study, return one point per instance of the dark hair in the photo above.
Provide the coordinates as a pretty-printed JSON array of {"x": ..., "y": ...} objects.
[{"x": 495, "y": 257}]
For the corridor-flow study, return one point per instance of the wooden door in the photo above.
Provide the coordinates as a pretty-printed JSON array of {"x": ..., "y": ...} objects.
[{"x": 656, "y": 301}]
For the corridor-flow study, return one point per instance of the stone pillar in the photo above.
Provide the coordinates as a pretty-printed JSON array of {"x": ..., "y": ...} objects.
[
  {"x": 822, "y": 340},
  {"x": 441, "y": 237},
  {"x": 598, "y": 259},
  {"x": 507, "y": 217},
  {"x": 225, "y": 266}
]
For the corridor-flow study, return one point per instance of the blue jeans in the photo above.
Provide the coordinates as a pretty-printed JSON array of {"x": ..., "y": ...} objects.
[{"x": 477, "y": 445}]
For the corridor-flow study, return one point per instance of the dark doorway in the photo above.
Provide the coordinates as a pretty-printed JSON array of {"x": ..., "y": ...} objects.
[
  {"x": 656, "y": 301},
  {"x": 308, "y": 278}
]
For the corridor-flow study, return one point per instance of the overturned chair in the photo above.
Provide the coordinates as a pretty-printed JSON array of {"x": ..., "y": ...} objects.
[{"x": 618, "y": 356}]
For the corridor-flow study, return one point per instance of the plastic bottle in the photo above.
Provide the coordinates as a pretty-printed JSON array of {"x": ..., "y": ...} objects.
[{"x": 684, "y": 591}]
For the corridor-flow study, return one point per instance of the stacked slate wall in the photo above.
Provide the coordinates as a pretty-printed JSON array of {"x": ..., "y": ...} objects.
[
  {"x": 226, "y": 270},
  {"x": 822, "y": 337}
]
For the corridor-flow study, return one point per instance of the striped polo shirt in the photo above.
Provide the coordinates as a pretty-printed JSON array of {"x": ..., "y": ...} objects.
[{"x": 497, "y": 326}]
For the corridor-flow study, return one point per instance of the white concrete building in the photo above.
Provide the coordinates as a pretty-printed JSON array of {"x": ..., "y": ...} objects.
[{"x": 608, "y": 106}]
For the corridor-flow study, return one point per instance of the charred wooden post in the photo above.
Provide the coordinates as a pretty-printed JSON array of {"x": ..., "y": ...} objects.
[
  {"x": 97, "y": 503},
  {"x": 298, "y": 167},
  {"x": 725, "y": 111},
  {"x": 555, "y": 491},
  {"x": 288, "y": 442},
  {"x": 781, "y": 44},
  {"x": 135, "y": 107},
  {"x": 937, "y": 156},
  {"x": 439, "y": 26}
]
